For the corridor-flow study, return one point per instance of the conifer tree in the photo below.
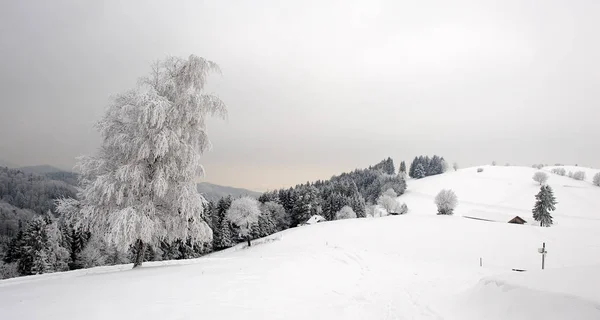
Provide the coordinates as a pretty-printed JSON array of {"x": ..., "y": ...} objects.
[
  {"x": 403, "y": 168},
  {"x": 413, "y": 167},
  {"x": 14, "y": 251},
  {"x": 545, "y": 203},
  {"x": 420, "y": 172},
  {"x": 35, "y": 257},
  {"x": 225, "y": 239}
]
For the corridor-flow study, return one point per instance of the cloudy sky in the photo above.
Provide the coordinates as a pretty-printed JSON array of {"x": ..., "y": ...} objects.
[{"x": 315, "y": 87}]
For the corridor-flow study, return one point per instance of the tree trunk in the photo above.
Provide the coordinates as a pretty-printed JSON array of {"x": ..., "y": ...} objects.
[
  {"x": 139, "y": 255},
  {"x": 248, "y": 239}
]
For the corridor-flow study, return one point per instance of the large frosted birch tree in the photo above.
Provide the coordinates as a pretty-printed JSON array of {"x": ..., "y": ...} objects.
[{"x": 140, "y": 187}]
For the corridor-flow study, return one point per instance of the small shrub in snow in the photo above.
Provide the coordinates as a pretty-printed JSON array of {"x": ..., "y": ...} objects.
[
  {"x": 479, "y": 170},
  {"x": 403, "y": 209},
  {"x": 446, "y": 202},
  {"x": 540, "y": 177},
  {"x": 596, "y": 179},
  {"x": 455, "y": 166},
  {"x": 345, "y": 213},
  {"x": 579, "y": 175},
  {"x": 559, "y": 171},
  {"x": 388, "y": 202},
  {"x": 570, "y": 174}
]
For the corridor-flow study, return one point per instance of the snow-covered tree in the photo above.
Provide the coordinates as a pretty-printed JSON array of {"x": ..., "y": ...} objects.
[
  {"x": 455, "y": 166},
  {"x": 559, "y": 171},
  {"x": 570, "y": 175},
  {"x": 402, "y": 170},
  {"x": 545, "y": 203},
  {"x": 446, "y": 202},
  {"x": 596, "y": 179},
  {"x": 579, "y": 175},
  {"x": 224, "y": 238},
  {"x": 41, "y": 252},
  {"x": 281, "y": 219},
  {"x": 140, "y": 187},
  {"x": 93, "y": 254},
  {"x": 540, "y": 177},
  {"x": 345, "y": 213},
  {"x": 244, "y": 212},
  {"x": 388, "y": 202},
  {"x": 493, "y": 163},
  {"x": 420, "y": 171}
]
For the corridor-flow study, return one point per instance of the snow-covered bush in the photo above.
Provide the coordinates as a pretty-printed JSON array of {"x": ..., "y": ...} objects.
[
  {"x": 579, "y": 175},
  {"x": 370, "y": 211},
  {"x": 540, "y": 177},
  {"x": 345, "y": 213},
  {"x": 446, "y": 202},
  {"x": 244, "y": 212},
  {"x": 570, "y": 174},
  {"x": 559, "y": 171},
  {"x": 93, "y": 254},
  {"x": 537, "y": 166},
  {"x": 403, "y": 209},
  {"x": 479, "y": 170},
  {"x": 493, "y": 163},
  {"x": 388, "y": 202},
  {"x": 596, "y": 179}
]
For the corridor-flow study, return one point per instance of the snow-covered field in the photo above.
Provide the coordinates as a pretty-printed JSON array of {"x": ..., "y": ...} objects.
[{"x": 415, "y": 266}]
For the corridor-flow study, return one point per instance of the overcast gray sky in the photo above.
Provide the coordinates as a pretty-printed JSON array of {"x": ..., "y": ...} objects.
[{"x": 315, "y": 87}]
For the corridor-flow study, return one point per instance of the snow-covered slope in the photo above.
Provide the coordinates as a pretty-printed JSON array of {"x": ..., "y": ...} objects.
[{"x": 415, "y": 266}]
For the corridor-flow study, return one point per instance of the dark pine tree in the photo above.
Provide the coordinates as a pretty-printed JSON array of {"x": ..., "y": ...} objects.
[
  {"x": 403, "y": 168},
  {"x": 420, "y": 171},
  {"x": 545, "y": 203},
  {"x": 14, "y": 251},
  {"x": 413, "y": 167}
]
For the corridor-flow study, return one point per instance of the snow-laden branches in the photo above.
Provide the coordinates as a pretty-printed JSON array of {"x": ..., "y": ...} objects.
[
  {"x": 140, "y": 185},
  {"x": 446, "y": 202},
  {"x": 540, "y": 177},
  {"x": 244, "y": 212}
]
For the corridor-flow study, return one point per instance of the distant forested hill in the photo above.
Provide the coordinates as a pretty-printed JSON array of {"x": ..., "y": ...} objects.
[{"x": 214, "y": 192}]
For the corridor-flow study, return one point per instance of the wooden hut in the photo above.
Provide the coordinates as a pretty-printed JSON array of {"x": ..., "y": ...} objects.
[{"x": 517, "y": 220}]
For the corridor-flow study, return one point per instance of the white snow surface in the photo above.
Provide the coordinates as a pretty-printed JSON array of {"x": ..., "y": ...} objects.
[{"x": 413, "y": 266}]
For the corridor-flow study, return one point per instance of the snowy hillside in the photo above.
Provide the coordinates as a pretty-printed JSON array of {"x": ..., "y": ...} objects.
[{"x": 414, "y": 266}]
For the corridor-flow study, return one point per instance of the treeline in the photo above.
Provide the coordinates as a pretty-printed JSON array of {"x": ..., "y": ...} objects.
[
  {"x": 34, "y": 192},
  {"x": 47, "y": 244},
  {"x": 422, "y": 167},
  {"x": 285, "y": 208},
  {"x": 25, "y": 195}
]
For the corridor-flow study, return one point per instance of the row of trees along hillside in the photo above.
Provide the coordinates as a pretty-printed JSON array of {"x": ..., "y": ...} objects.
[
  {"x": 422, "y": 167},
  {"x": 285, "y": 208},
  {"x": 47, "y": 244},
  {"x": 326, "y": 197}
]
